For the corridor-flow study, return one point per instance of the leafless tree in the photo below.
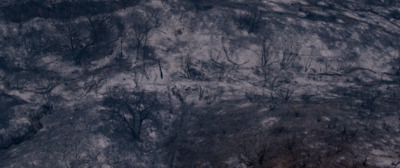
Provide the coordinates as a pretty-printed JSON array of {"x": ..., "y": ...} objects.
[
  {"x": 103, "y": 34},
  {"x": 290, "y": 53},
  {"x": 251, "y": 19},
  {"x": 74, "y": 33},
  {"x": 266, "y": 57},
  {"x": 160, "y": 69},
  {"x": 187, "y": 66},
  {"x": 252, "y": 150},
  {"x": 189, "y": 71},
  {"x": 131, "y": 109},
  {"x": 46, "y": 81},
  {"x": 94, "y": 83},
  {"x": 218, "y": 64},
  {"x": 141, "y": 26},
  {"x": 91, "y": 38},
  {"x": 100, "y": 25},
  {"x": 209, "y": 94},
  {"x": 225, "y": 65},
  {"x": 266, "y": 50},
  {"x": 285, "y": 92},
  {"x": 228, "y": 53},
  {"x": 307, "y": 63},
  {"x": 137, "y": 78}
]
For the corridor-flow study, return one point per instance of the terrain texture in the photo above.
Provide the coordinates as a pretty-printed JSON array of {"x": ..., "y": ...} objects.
[{"x": 199, "y": 83}]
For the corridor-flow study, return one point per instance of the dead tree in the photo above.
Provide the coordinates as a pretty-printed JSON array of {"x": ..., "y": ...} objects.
[
  {"x": 252, "y": 149},
  {"x": 290, "y": 53},
  {"x": 223, "y": 63},
  {"x": 91, "y": 38},
  {"x": 266, "y": 51},
  {"x": 228, "y": 53},
  {"x": 103, "y": 35},
  {"x": 75, "y": 38},
  {"x": 45, "y": 83},
  {"x": 73, "y": 34},
  {"x": 218, "y": 64},
  {"x": 189, "y": 71},
  {"x": 252, "y": 17},
  {"x": 187, "y": 66},
  {"x": 131, "y": 109},
  {"x": 285, "y": 92},
  {"x": 266, "y": 58},
  {"x": 141, "y": 27},
  {"x": 307, "y": 64},
  {"x": 160, "y": 69},
  {"x": 94, "y": 83}
]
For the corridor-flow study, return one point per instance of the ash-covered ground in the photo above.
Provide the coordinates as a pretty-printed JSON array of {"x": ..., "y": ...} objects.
[{"x": 199, "y": 83}]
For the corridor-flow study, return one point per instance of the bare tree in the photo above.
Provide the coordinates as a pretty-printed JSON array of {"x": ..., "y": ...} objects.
[
  {"x": 160, "y": 69},
  {"x": 131, "y": 109},
  {"x": 189, "y": 71},
  {"x": 272, "y": 85},
  {"x": 103, "y": 35},
  {"x": 266, "y": 51},
  {"x": 285, "y": 92},
  {"x": 187, "y": 66},
  {"x": 141, "y": 26},
  {"x": 225, "y": 65},
  {"x": 228, "y": 52},
  {"x": 74, "y": 33},
  {"x": 94, "y": 83},
  {"x": 92, "y": 38},
  {"x": 218, "y": 64},
  {"x": 252, "y": 149},
  {"x": 266, "y": 57},
  {"x": 252, "y": 17},
  {"x": 290, "y": 53},
  {"x": 307, "y": 64},
  {"x": 209, "y": 94},
  {"x": 46, "y": 81}
]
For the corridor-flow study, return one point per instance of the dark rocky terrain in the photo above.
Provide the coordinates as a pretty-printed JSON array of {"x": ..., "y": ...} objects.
[{"x": 199, "y": 83}]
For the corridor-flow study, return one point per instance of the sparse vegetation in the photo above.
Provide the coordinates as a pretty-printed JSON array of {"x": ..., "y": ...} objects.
[{"x": 199, "y": 83}]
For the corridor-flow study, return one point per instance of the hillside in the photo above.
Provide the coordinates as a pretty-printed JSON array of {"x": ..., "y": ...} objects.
[{"x": 199, "y": 83}]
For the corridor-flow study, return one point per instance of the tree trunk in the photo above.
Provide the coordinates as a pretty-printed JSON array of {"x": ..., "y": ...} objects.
[{"x": 159, "y": 66}]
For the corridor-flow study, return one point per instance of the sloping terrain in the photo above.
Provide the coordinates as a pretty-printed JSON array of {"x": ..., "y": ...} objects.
[{"x": 199, "y": 83}]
